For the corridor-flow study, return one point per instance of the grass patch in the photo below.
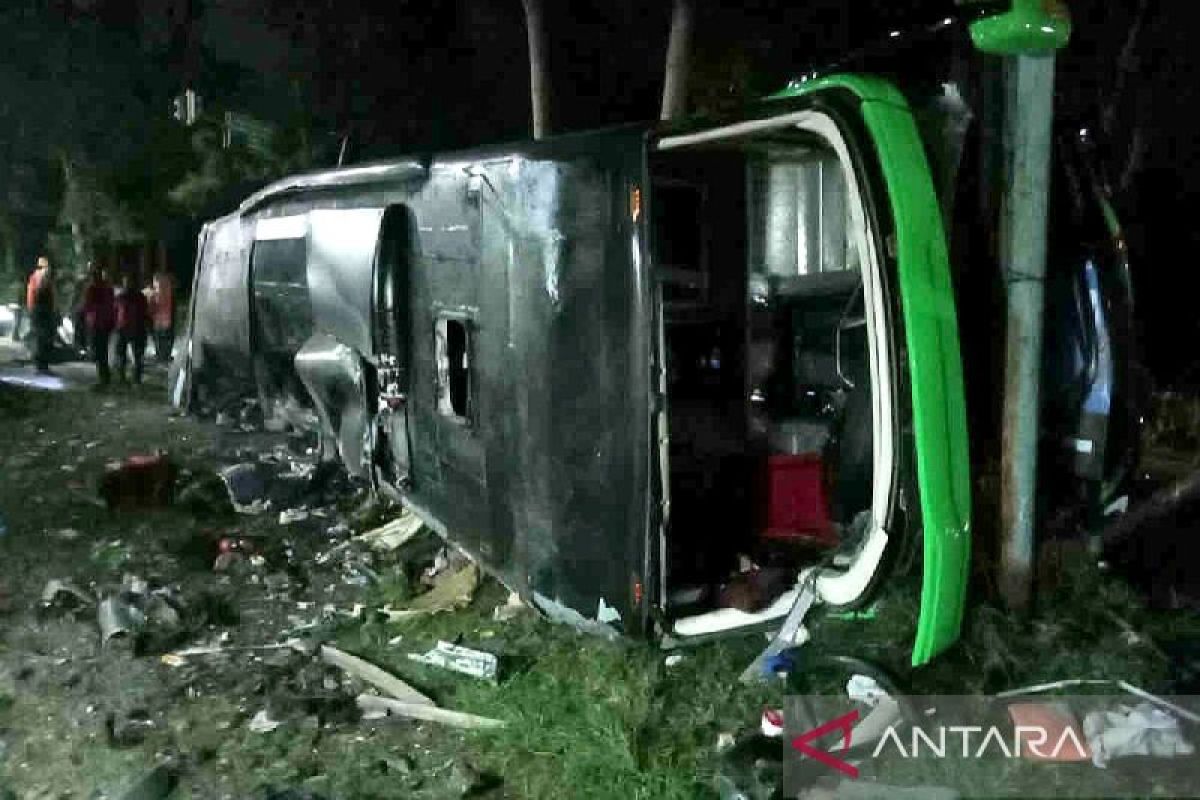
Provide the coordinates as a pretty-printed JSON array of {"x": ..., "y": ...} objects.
[{"x": 586, "y": 718}]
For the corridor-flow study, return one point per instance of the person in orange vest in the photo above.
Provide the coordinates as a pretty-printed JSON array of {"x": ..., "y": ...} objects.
[
  {"x": 162, "y": 314},
  {"x": 39, "y": 299}
]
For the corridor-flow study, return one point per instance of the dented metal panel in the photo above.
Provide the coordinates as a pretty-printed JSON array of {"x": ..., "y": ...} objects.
[
  {"x": 333, "y": 374},
  {"x": 547, "y": 477},
  {"x": 341, "y": 254},
  {"x": 220, "y": 334},
  {"x": 222, "y": 296},
  {"x": 515, "y": 344}
]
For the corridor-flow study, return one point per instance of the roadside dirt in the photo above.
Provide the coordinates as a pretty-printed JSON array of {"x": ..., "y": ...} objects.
[{"x": 83, "y": 718}]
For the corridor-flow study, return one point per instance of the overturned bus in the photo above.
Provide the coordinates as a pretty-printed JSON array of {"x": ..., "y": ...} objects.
[{"x": 608, "y": 364}]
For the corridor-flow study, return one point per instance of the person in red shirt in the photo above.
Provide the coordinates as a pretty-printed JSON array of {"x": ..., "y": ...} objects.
[
  {"x": 132, "y": 315},
  {"x": 99, "y": 317},
  {"x": 39, "y": 299},
  {"x": 162, "y": 312}
]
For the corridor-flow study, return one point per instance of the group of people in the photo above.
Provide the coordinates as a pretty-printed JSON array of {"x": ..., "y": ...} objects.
[{"x": 128, "y": 313}]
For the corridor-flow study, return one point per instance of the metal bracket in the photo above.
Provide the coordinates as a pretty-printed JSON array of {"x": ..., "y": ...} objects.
[{"x": 790, "y": 634}]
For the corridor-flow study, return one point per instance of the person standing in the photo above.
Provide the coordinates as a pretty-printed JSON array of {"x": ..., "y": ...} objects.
[
  {"x": 132, "y": 313},
  {"x": 99, "y": 318},
  {"x": 39, "y": 299},
  {"x": 163, "y": 315},
  {"x": 79, "y": 328}
]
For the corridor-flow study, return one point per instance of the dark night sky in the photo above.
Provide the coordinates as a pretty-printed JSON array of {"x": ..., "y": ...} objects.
[
  {"x": 454, "y": 73},
  {"x": 403, "y": 75}
]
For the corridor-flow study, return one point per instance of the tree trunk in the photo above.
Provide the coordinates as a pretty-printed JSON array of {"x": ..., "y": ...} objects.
[
  {"x": 679, "y": 52},
  {"x": 73, "y": 213},
  {"x": 539, "y": 73},
  {"x": 1128, "y": 67}
]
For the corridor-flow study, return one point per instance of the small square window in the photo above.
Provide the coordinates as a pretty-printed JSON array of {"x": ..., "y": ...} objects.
[{"x": 453, "y": 336}]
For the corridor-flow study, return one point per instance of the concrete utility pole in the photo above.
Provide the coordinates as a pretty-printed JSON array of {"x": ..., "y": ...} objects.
[
  {"x": 1026, "y": 37},
  {"x": 1028, "y": 111}
]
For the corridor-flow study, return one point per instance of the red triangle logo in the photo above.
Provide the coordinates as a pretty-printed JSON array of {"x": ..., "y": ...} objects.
[{"x": 845, "y": 724}]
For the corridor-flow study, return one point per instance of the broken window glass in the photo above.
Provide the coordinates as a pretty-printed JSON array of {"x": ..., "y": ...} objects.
[{"x": 454, "y": 368}]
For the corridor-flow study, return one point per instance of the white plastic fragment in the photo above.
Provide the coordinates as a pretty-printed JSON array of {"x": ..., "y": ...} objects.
[
  {"x": 394, "y": 533},
  {"x": 771, "y": 724},
  {"x": 366, "y": 671},
  {"x": 511, "y": 607},
  {"x": 606, "y": 613},
  {"x": 291, "y": 515},
  {"x": 1143, "y": 730},
  {"x": 865, "y": 689},
  {"x": 455, "y": 658},
  {"x": 262, "y": 722}
]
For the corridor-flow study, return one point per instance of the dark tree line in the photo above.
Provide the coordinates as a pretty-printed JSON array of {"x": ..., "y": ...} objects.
[{"x": 89, "y": 155}]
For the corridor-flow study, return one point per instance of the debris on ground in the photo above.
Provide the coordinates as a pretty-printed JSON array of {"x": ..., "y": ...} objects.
[
  {"x": 247, "y": 487},
  {"x": 395, "y": 533},
  {"x": 65, "y": 595},
  {"x": 456, "y": 658},
  {"x": 376, "y": 707},
  {"x": 139, "y": 481},
  {"x": 865, "y": 689},
  {"x": 771, "y": 723},
  {"x": 128, "y": 728},
  {"x": 179, "y": 657},
  {"x": 441, "y": 562},
  {"x": 262, "y": 722},
  {"x": 510, "y": 609},
  {"x": 292, "y": 515},
  {"x": 377, "y": 677},
  {"x": 118, "y": 617},
  {"x": 792, "y": 633},
  {"x": 453, "y": 590},
  {"x": 405, "y": 701},
  {"x": 1141, "y": 730},
  {"x": 278, "y": 480},
  {"x": 203, "y": 492},
  {"x": 1124, "y": 686},
  {"x": 136, "y": 608}
]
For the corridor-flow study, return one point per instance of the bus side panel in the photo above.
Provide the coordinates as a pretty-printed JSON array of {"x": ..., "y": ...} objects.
[
  {"x": 341, "y": 254},
  {"x": 582, "y": 309},
  {"x": 543, "y": 472},
  {"x": 221, "y": 316},
  {"x": 447, "y": 450}
]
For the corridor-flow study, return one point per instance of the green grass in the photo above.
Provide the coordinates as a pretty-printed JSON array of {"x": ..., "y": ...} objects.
[{"x": 585, "y": 717}]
